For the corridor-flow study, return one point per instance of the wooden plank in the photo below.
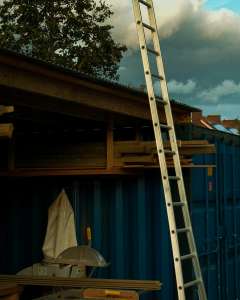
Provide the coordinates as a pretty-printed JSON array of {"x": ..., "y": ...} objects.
[
  {"x": 112, "y": 294},
  {"x": 6, "y": 109},
  {"x": 146, "y": 159},
  {"x": 146, "y": 285},
  {"x": 193, "y": 142},
  {"x": 150, "y": 146},
  {"x": 65, "y": 172},
  {"x": 6, "y": 130},
  {"x": 146, "y": 167},
  {"x": 124, "y": 170}
]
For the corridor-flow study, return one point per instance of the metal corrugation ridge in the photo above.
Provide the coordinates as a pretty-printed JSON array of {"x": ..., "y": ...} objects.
[{"x": 83, "y": 76}]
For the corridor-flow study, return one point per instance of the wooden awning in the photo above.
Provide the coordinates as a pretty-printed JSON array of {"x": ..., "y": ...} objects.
[{"x": 31, "y": 83}]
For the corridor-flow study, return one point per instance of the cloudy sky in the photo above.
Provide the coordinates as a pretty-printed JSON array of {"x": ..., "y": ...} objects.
[{"x": 200, "y": 42}]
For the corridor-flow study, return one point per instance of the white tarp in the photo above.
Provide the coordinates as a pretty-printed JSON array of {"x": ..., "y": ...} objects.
[{"x": 61, "y": 231}]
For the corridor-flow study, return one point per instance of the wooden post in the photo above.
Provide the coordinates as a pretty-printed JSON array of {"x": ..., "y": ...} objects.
[{"x": 110, "y": 144}]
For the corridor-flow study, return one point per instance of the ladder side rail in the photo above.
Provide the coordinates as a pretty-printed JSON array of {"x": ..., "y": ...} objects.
[
  {"x": 161, "y": 154},
  {"x": 165, "y": 96},
  {"x": 174, "y": 147}
]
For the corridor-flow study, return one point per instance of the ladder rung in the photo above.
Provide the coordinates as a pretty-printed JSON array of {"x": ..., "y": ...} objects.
[
  {"x": 145, "y": 3},
  {"x": 157, "y": 76},
  {"x": 158, "y": 99},
  {"x": 188, "y": 256},
  {"x": 165, "y": 126},
  {"x": 173, "y": 178},
  {"x": 153, "y": 51},
  {"x": 182, "y": 230},
  {"x": 148, "y": 27},
  {"x": 192, "y": 283},
  {"x": 170, "y": 152},
  {"x": 178, "y": 203}
]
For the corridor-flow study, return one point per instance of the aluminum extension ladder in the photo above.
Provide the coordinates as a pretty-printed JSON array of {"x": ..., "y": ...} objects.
[{"x": 185, "y": 229}]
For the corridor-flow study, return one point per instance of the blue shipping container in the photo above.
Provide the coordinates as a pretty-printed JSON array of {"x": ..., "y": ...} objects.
[{"x": 128, "y": 219}]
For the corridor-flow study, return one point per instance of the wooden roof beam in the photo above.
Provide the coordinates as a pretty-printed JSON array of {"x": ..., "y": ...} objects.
[{"x": 53, "y": 89}]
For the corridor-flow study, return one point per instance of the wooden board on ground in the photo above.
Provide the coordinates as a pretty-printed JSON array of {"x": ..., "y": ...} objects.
[
  {"x": 110, "y": 294},
  {"x": 145, "y": 285}
]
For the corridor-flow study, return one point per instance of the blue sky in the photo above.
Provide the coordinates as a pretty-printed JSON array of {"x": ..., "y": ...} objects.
[
  {"x": 217, "y": 4},
  {"x": 200, "y": 41}
]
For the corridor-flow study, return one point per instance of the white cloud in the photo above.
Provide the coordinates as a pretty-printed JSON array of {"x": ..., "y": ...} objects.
[
  {"x": 196, "y": 43},
  {"x": 216, "y": 24},
  {"x": 177, "y": 87},
  {"x": 172, "y": 15},
  {"x": 124, "y": 27},
  {"x": 226, "y": 88}
]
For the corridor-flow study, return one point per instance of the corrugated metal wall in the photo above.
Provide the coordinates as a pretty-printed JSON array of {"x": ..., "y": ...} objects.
[
  {"x": 216, "y": 219},
  {"x": 128, "y": 219}
]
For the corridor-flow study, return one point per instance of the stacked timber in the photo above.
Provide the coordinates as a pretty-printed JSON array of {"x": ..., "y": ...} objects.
[
  {"x": 144, "y": 153},
  {"x": 143, "y": 285},
  {"x": 93, "y": 155}
]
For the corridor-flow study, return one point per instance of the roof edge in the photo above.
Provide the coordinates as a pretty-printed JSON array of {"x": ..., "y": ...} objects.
[{"x": 98, "y": 81}]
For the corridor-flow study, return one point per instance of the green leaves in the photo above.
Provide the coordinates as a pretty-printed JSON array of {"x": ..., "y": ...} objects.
[{"x": 71, "y": 33}]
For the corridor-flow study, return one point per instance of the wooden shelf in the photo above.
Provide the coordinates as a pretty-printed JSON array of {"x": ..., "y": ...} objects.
[
  {"x": 125, "y": 171},
  {"x": 157, "y": 167},
  {"x": 67, "y": 172}
]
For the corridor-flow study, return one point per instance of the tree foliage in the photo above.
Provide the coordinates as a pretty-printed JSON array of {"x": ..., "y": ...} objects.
[{"x": 71, "y": 33}]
